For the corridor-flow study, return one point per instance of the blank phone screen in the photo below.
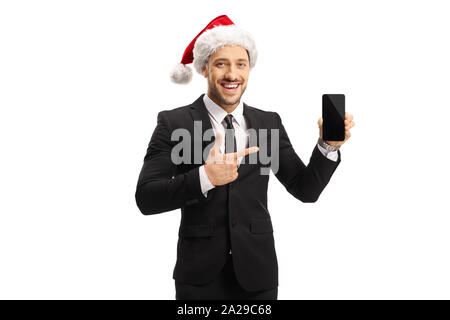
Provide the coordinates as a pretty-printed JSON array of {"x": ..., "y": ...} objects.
[{"x": 333, "y": 115}]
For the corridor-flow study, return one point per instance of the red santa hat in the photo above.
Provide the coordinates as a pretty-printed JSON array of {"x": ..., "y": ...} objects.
[{"x": 220, "y": 32}]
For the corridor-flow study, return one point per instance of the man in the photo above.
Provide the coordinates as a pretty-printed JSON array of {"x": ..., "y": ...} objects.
[{"x": 226, "y": 246}]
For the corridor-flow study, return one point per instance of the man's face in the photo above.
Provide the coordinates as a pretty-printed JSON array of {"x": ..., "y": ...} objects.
[{"x": 228, "y": 66}]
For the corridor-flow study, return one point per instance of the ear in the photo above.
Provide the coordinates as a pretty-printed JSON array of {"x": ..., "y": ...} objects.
[{"x": 205, "y": 71}]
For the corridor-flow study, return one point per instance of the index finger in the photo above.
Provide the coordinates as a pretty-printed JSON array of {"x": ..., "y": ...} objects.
[{"x": 244, "y": 152}]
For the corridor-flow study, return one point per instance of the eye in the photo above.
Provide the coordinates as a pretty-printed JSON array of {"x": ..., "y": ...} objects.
[{"x": 220, "y": 63}]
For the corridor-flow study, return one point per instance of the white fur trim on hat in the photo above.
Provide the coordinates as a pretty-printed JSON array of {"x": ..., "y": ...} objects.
[
  {"x": 181, "y": 74},
  {"x": 213, "y": 39}
]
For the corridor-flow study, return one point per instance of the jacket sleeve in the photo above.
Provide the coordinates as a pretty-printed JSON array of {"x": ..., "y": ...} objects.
[
  {"x": 158, "y": 189},
  {"x": 305, "y": 183}
]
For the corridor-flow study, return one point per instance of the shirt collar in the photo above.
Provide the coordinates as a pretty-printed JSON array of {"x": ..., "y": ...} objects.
[{"x": 218, "y": 113}]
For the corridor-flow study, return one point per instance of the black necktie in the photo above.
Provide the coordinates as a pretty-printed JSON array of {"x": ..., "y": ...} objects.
[{"x": 230, "y": 135}]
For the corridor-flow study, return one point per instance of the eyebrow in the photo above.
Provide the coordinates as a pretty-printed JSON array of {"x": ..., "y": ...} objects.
[{"x": 225, "y": 59}]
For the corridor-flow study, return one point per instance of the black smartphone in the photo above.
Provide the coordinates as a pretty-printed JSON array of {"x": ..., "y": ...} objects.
[{"x": 333, "y": 116}]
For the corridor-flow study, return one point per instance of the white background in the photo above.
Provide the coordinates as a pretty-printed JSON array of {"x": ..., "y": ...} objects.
[{"x": 81, "y": 83}]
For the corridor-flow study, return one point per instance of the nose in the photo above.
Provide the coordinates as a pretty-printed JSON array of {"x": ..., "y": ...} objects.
[{"x": 230, "y": 73}]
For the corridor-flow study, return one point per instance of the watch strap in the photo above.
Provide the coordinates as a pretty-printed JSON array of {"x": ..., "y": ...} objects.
[{"x": 326, "y": 146}]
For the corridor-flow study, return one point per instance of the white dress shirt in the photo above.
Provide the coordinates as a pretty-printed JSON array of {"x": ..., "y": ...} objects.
[{"x": 217, "y": 118}]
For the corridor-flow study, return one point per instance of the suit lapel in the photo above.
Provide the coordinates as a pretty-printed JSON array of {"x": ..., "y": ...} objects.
[
  {"x": 199, "y": 115},
  {"x": 252, "y": 123}
]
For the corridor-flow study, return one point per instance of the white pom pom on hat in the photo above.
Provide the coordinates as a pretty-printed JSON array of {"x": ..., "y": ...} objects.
[
  {"x": 181, "y": 74},
  {"x": 221, "y": 31}
]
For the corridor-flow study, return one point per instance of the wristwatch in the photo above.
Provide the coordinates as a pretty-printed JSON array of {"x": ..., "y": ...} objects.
[{"x": 325, "y": 145}]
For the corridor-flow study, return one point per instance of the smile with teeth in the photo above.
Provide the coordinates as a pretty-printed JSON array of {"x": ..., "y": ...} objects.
[{"x": 230, "y": 86}]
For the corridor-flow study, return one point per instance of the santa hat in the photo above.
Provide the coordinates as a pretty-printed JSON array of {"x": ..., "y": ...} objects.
[{"x": 220, "y": 32}]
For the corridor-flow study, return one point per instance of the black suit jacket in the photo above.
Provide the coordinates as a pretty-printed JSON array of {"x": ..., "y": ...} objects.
[{"x": 237, "y": 212}]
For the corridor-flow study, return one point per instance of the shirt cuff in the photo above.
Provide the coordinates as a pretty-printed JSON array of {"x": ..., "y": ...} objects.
[
  {"x": 332, "y": 155},
  {"x": 205, "y": 184}
]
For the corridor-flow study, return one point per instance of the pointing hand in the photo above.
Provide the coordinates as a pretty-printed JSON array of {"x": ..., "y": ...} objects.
[{"x": 222, "y": 168}]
